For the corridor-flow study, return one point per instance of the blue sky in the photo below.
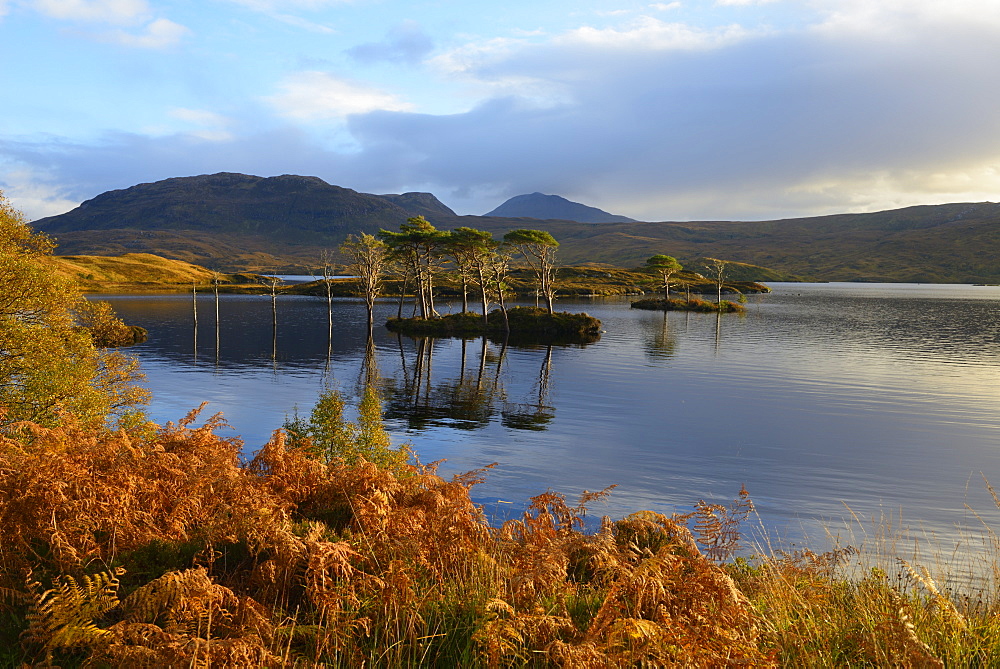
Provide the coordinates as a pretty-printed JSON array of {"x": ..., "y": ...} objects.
[{"x": 673, "y": 110}]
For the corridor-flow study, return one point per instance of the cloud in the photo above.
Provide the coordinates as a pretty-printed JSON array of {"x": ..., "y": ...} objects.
[
  {"x": 139, "y": 29},
  {"x": 208, "y": 125},
  {"x": 29, "y": 193},
  {"x": 665, "y": 118},
  {"x": 317, "y": 96},
  {"x": 406, "y": 43},
  {"x": 158, "y": 34},
  {"x": 279, "y": 11},
  {"x": 277, "y": 6},
  {"x": 743, "y": 3},
  {"x": 653, "y": 120},
  {"x": 304, "y": 24},
  {"x": 649, "y": 33},
  {"x": 97, "y": 11}
]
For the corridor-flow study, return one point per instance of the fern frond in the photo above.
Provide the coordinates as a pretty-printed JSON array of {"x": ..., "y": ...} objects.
[
  {"x": 164, "y": 594},
  {"x": 64, "y": 616},
  {"x": 718, "y": 527}
]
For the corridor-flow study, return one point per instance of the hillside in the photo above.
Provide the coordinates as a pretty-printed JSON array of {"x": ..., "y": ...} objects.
[
  {"x": 948, "y": 243},
  {"x": 544, "y": 207},
  {"x": 230, "y": 221},
  {"x": 133, "y": 272},
  {"x": 420, "y": 204},
  {"x": 233, "y": 222}
]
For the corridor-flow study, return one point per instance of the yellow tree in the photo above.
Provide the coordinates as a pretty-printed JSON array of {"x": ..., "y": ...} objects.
[{"x": 48, "y": 361}]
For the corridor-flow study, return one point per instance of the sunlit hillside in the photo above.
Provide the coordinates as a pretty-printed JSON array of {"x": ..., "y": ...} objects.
[{"x": 130, "y": 272}]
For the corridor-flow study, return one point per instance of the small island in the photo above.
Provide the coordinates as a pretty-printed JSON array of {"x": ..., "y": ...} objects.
[
  {"x": 694, "y": 304},
  {"x": 519, "y": 323}
]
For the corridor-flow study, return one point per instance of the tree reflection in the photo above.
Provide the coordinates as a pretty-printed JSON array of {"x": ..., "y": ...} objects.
[
  {"x": 536, "y": 415},
  {"x": 663, "y": 343},
  {"x": 718, "y": 331},
  {"x": 465, "y": 403},
  {"x": 471, "y": 398}
]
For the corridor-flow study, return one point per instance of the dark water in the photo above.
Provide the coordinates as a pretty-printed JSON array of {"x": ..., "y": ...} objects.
[{"x": 824, "y": 400}]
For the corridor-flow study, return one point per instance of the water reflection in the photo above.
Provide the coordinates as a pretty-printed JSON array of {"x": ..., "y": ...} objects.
[
  {"x": 880, "y": 398},
  {"x": 474, "y": 397},
  {"x": 536, "y": 415},
  {"x": 663, "y": 342}
]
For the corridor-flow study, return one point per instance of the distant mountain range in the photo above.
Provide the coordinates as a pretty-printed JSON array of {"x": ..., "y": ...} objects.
[
  {"x": 236, "y": 222},
  {"x": 553, "y": 207}
]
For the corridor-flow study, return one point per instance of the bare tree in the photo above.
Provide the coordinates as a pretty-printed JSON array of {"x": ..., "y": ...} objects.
[
  {"x": 325, "y": 257},
  {"x": 368, "y": 259},
  {"x": 718, "y": 270}
]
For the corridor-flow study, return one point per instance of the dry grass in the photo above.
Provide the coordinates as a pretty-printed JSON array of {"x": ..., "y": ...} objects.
[
  {"x": 160, "y": 547},
  {"x": 131, "y": 272}
]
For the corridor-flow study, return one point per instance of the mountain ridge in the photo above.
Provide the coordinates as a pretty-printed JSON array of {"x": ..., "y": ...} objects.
[{"x": 232, "y": 222}]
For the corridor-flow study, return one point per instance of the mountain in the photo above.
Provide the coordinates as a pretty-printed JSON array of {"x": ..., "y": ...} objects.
[
  {"x": 235, "y": 222},
  {"x": 420, "y": 204},
  {"x": 549, "y": 207},
  {"x": 230, "y": 221},
  {"x": 945, "y": 243},
  {"x": 292, "y": 207}
]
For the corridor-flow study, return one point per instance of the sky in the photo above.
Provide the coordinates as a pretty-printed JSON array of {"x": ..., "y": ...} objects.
[{"x": 673, "y": 110}]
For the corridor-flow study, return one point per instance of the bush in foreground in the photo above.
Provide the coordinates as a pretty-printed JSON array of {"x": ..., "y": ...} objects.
[{"x": 166, "y": 550}]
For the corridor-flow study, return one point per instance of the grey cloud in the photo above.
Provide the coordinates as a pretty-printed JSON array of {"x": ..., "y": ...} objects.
[
  {"x": 406, "y": 43},
  {"x": 747, "y": 130},
  {"x": 762, "y": 115}
]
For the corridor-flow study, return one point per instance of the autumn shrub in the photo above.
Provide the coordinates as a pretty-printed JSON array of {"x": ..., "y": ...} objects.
[
  {"x": 167, "y": 549},
  {"x": 162, "y": 548}
]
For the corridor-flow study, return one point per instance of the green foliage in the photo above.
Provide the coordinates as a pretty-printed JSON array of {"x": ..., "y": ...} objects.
[
  {"x": 105, "y": 328},
  {"x": 667, "y": 266},
  {"x": 48, "y": 363},
  {"x": 524, "y": 236},
  {"x": 327, "y": 435},
  {"x": 661, "y": 262},
  {"x": 416, "y": 247}
]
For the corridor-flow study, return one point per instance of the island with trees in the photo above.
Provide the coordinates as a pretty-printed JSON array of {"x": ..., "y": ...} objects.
[
  {"x": 473, "y": 266},
  {"x": 419, "y": 254},
  {"x": 668, "y": 266}
]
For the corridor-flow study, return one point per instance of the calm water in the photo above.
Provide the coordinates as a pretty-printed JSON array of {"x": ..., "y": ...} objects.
[{"x": 823, "y": 400}]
